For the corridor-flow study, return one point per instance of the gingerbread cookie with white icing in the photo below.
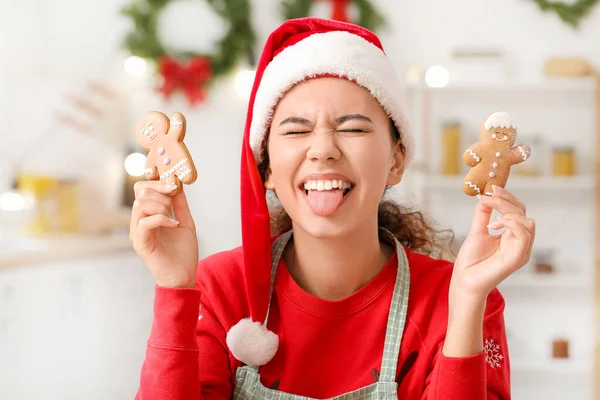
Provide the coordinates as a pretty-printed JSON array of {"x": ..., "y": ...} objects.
[
  {"x": 168, "y": 158},
  {"x": 491, "y": 158}
]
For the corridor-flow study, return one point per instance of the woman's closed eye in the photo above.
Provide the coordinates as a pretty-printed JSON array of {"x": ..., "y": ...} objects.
[
  {"x": 297, "y": 132},
  {"x": 358, "y": 130}
]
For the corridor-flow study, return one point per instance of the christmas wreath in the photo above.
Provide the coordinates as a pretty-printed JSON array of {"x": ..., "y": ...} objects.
[
  {"x": 571, "y": 13},
  {"x": 188, "y": 71},
  {"x": 368, "y": 16}
]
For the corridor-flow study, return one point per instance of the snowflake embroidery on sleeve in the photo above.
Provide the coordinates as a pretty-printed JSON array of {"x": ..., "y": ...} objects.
[
  {"x": 200, "y": 312},
  {"x": 492, "y": 353}
]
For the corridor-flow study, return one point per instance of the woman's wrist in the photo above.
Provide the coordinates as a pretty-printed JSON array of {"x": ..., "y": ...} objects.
[{"x": 464, "y": 336}]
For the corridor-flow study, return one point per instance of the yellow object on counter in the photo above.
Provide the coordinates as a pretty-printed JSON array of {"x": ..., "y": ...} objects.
[
  {"x": 451, "y": 149},
  {"x": 56, "y": 203},
  {"x": 563, "y": 161},
  {"x": 41, "y": 188},
  {"x": 68, "y": 206}
]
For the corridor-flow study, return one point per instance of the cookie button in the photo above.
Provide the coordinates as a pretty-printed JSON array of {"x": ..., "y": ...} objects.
[
  {"x": 161, "y": 151},
  {"x": 167, "y": 161},
  {"x": 495, "y": 165},
  {"x": 492, "y": 174},
  {"x": 498, "y": 154}
]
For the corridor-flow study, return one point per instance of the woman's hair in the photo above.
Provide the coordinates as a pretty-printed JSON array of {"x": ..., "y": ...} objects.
[{"x": 410, "y": 227}]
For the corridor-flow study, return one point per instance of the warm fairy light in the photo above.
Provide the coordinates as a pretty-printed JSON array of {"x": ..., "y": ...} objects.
[
  {"x": 135, "y": 163},
  {"x": 243, "y": 82},
  {"x": 437, "y": 77},
  {"x": 135, "y": 66},
  {"x": 11, "y": 201}
]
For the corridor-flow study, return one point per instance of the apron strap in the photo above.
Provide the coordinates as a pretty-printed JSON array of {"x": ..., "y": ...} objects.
[
  {"x": 396, "y": 316},
  {"x": 276, "y": 252}
]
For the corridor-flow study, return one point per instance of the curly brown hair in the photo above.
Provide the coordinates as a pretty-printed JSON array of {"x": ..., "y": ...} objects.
[{"x": 411, "y": 227}]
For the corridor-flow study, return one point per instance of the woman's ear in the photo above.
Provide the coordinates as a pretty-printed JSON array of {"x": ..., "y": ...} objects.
[
  {"x": 269, "y": 184},
  {"x": 397, "y": 165}
]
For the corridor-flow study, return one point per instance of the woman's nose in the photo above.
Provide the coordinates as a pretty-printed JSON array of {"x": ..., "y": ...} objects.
[{"x": 323, "y": 147}]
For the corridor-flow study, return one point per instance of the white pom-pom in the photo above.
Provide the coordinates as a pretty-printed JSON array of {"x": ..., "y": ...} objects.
[
  {"x": 252, "y": 343},
  {"x": 499, "y": 119}
]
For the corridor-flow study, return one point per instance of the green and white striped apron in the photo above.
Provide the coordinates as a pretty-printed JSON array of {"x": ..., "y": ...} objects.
[{"x": 247, "y": 378}]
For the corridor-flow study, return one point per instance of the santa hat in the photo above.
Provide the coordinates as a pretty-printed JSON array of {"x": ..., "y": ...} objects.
[{"x": 297, "y": 50}]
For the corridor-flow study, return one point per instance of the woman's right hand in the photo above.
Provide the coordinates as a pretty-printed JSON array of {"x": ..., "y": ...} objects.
[{"x": 164, "y": 235}]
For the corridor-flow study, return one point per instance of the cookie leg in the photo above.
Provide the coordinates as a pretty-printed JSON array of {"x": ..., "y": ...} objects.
[
  {"x": 488, "y": 191},
  {"x": 471, "y": 186},
  {"x": 179, "y": 188}
]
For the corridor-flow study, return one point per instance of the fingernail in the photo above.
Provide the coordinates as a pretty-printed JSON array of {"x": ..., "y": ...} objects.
[
  {"x": 494, "y": 225},
  {"x": 175, "y": 222},
  {"x": 170, "y": 186},
  {"x": 478, "y": 197}
]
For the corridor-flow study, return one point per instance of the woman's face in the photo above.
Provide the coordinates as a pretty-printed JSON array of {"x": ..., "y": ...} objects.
[{"x": 331, "y": 156}]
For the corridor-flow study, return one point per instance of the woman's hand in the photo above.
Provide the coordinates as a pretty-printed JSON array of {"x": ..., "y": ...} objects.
[
  {"x": 484, "y": 261},
  {"x": 164, "y": 235}
]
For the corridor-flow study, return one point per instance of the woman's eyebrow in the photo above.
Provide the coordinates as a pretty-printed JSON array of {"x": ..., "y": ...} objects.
[
  {"x": 296, "y": 120},
  {"x": 349, "y": 117}
]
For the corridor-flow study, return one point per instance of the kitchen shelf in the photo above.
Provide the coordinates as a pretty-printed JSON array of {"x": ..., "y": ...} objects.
[
  {"x": 581, "y": 182},
  {"x": 546, "y": 281},
  {"x": 551, "y": 366},
  {"x": 550, "y": 84}
]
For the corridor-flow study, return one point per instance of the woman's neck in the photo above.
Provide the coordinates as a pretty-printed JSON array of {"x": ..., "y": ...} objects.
[{"x": 334, "y": 268}]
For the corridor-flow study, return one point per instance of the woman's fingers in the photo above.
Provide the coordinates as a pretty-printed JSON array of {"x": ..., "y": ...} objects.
[
  {"x": 145, "y": 208},
  {"x": 147, "y": 225},
  {"x": 528, "y": 223},
  {"x": 142, "y": 187},
  {"x": 481, "y": 218},
  {"x": 523, "y": 229},
  {"x": 181, "y": 210},
  {"x": 501, "y": 204},
  {"x": 150, "y": 199},
  {"x": 511, "y": 198}
]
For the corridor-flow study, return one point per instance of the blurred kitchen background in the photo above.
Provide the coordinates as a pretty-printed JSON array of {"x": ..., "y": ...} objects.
[{"x": 75, "y": 76}]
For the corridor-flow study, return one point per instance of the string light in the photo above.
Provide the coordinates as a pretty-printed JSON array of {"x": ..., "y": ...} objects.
[{"x": 135, "y": 164}]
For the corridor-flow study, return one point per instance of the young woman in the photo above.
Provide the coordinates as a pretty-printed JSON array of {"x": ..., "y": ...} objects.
[{"x": 344, "y": 301}]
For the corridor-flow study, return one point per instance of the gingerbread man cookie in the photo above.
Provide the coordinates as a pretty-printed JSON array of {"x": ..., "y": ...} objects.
[
  {"x": 491, "y": 158},
  {"x": 168, "y": 159}
]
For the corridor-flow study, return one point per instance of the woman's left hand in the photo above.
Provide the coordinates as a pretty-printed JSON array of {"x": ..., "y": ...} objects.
[{"x": 484, "y": 261}]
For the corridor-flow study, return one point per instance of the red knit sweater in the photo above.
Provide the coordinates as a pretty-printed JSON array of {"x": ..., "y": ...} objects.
[{"x": 326, "y": 348}]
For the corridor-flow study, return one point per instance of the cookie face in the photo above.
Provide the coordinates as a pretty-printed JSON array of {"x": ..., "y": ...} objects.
[
  {"x": 500, "y": 135},
  {"x": 492, "y": 158},
  {"x": 168, "y": 158}
]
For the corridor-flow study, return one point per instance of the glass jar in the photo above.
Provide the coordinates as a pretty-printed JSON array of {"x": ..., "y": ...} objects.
[
  {"x": 563, "y": 161},
  {"x": 543, "y": 261},
  {"x": 451, "y": 148}
]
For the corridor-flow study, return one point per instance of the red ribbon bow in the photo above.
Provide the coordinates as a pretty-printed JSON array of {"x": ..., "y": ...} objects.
[
  {"x": 191, "y": 77},
  {"x": 340, "y": 8}
]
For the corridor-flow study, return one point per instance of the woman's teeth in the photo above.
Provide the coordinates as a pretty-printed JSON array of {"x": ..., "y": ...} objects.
[{"x": 326, "y": 185}]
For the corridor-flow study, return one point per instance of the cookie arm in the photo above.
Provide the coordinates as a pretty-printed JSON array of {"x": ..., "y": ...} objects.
[
  {"x": 520, "y": 153},
  {"x": 177, "y": 128},
  {"x": 472, "y": 156},
  {"x": 151, "y": 173}
]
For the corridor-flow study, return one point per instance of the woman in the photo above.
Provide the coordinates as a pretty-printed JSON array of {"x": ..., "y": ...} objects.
[{"x": 347, "y": 303}]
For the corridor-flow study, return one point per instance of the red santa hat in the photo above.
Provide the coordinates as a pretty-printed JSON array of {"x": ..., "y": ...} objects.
[{"x": 297, "y": 50}]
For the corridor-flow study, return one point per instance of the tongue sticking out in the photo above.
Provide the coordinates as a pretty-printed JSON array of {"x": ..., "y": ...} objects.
[{"x": 325, "y": 202}]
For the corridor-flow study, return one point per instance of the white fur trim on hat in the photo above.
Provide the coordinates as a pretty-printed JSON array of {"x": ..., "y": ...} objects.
[
  {"x": 499, "y": 119},
  {"x": 337, "y": 53},
  {"x": 252, "y": 343}
]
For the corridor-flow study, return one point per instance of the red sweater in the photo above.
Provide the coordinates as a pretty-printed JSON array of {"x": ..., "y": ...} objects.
[{"x": 326, "y": 348}]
